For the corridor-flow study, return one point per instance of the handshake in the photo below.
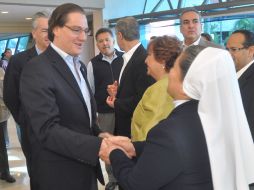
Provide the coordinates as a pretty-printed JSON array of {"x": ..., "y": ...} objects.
[{"x": 110, "y": 143}]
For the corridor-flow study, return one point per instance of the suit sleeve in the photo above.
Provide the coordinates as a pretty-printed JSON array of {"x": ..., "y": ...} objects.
[
  {"x": 158, "y": 164},
  {"x": 38, "y": 95},
  {"x": 11, "y": 87},
  {"x": 248, "y": 103}
]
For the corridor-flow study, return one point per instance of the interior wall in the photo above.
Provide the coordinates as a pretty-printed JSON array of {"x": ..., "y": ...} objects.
[{"x": 88, "y": 52}]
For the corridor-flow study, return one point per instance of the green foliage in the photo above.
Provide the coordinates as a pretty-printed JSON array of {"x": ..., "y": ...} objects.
[{"x": 245, "y": 23}]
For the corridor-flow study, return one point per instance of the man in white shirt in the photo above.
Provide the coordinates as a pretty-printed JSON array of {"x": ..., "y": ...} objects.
[{"x": 241, "y": 46}]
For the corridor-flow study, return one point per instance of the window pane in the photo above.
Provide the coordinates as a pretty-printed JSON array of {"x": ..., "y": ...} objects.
[
  {"x": 22, "y": 44},
  {"x": 2, "y": 46},
  {"x": 218, "y": 27},
  {"x": 188, "y": 3},
  {"x": 12, "y": 44}
]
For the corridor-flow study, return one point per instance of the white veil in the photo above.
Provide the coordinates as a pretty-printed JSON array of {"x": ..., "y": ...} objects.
[{"x": 212, "y": 80}]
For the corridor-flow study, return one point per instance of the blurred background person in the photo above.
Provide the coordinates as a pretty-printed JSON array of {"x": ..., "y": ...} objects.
[
  {"x": 156, "y": 103},
  {"x": 191, "y": 28},
  {"x": 4, "y": 115},
  {"x": 207, "y": 37},
  {"x": 6, "y": 55},
  {"x": 12, "y": 79}
]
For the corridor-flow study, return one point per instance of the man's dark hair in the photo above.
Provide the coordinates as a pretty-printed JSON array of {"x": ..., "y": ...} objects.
[
  {"x": 248, "y": 37},
  {"x": 207, "y": 36},
  {"x": 189, "y": 10},
  {"x": 188, "y": 56},
  {"x": 59, "y": 16},
  {"x": 103, "y": 30},
  {"x": 129, "y": 28}
]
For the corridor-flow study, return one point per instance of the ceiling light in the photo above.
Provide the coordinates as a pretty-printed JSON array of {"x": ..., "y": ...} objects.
[
  {"x": 29, "y": 18},
  {"x": 4, "y": 12}
]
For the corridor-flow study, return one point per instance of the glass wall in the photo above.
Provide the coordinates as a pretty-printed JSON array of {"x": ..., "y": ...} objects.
[
  {"x": 17, "y": 44},
  {"x": 219, "y": 27},
  {"x": 3, "y": 44}
]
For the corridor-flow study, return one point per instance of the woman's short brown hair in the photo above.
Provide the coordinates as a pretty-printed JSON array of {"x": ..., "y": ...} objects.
[{"x": 165, "y": 48}]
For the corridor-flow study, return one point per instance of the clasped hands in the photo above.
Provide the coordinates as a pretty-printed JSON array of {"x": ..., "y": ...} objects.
[{"x": 116, "y": 142}]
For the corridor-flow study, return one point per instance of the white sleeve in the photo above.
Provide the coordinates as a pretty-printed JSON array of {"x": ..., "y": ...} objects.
[{"x": 90, "y": 76}]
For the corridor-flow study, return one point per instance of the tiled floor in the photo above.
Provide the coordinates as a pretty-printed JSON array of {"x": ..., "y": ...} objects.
[{"x": 17, "y": 163}]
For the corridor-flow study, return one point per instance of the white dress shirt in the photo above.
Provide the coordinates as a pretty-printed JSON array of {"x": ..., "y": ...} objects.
[
  {"x": 242, "y": 70},
  {"x": 78, "y": 76},
  {"x": 126, "y": 58},
  {"x": 89, "y": 67}
]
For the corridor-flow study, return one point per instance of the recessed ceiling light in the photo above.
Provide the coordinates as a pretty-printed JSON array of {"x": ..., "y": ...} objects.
[
  {"x": 4, "y": 12},
  {"x": 28, "y": 18}
]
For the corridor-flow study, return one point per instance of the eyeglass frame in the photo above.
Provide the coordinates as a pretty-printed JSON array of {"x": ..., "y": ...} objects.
[
  {"x": 78, "y": 30},
  {"x": 235, "y": 49}
]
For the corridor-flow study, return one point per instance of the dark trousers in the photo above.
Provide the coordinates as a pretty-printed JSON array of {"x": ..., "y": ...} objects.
[{"x": 4, "y": 165}]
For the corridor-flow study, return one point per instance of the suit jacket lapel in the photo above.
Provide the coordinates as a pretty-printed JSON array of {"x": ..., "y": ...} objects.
[
  {"x": 31, "y": 53},
  {"x": 62, "y": 68},
  {"x": 93, "y": 102},
  {"x": 129, "y": 64},
  {"x": 244, "y": 77}
]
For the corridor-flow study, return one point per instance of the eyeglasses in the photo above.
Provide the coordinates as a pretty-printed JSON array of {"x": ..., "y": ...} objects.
[
  {"x": 235, "y": 49},
  {"x": 78, "y": 30}
]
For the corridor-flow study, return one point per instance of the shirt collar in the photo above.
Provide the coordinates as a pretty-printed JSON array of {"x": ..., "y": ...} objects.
[
  {"x": 195, "y": 43},
  {"x": 38, "y": 50},
  {"x": 64, "y": 55},
  {"x": 127, "y": 55},
  {"x": 179, "y": 102},
  {"x": 242, "y": 70},
  {"x": 108, "y": 59}
]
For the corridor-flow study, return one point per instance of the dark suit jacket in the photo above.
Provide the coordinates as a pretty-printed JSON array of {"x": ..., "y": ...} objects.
[
  {"x": 174, "y": 156},
  {"x": 246, "y": 82},
  {"x": 134, "y": 82},
  {"x": 11, "y": 84},
  {"x": 64, "y": 146},
  {"x": 12, "y": 98}
]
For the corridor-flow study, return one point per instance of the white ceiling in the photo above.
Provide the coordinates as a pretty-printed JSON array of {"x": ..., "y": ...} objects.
[{"x": 17, "y": 14}]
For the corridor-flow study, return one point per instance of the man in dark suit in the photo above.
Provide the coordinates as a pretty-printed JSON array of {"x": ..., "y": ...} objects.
[
  {"x": 241, "y": 46},
  {"x": 61, "y": 109},
  {"x": 133, "y": 79},
  {"x": 191, "y": 28},
  {"x": 12, "y": 79}
]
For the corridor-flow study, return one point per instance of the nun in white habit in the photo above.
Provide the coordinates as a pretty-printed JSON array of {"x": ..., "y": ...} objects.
[{"x": 212, "y": 80}]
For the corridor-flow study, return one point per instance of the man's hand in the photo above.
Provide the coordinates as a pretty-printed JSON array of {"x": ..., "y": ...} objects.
[
  {"x": 112, "y": 89},
  {"x": 125, "y": 143},
  {"x": 111, "y": 101},
  {"x": 116, "y": 142},
  {"x": 105, "y": 135}
]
